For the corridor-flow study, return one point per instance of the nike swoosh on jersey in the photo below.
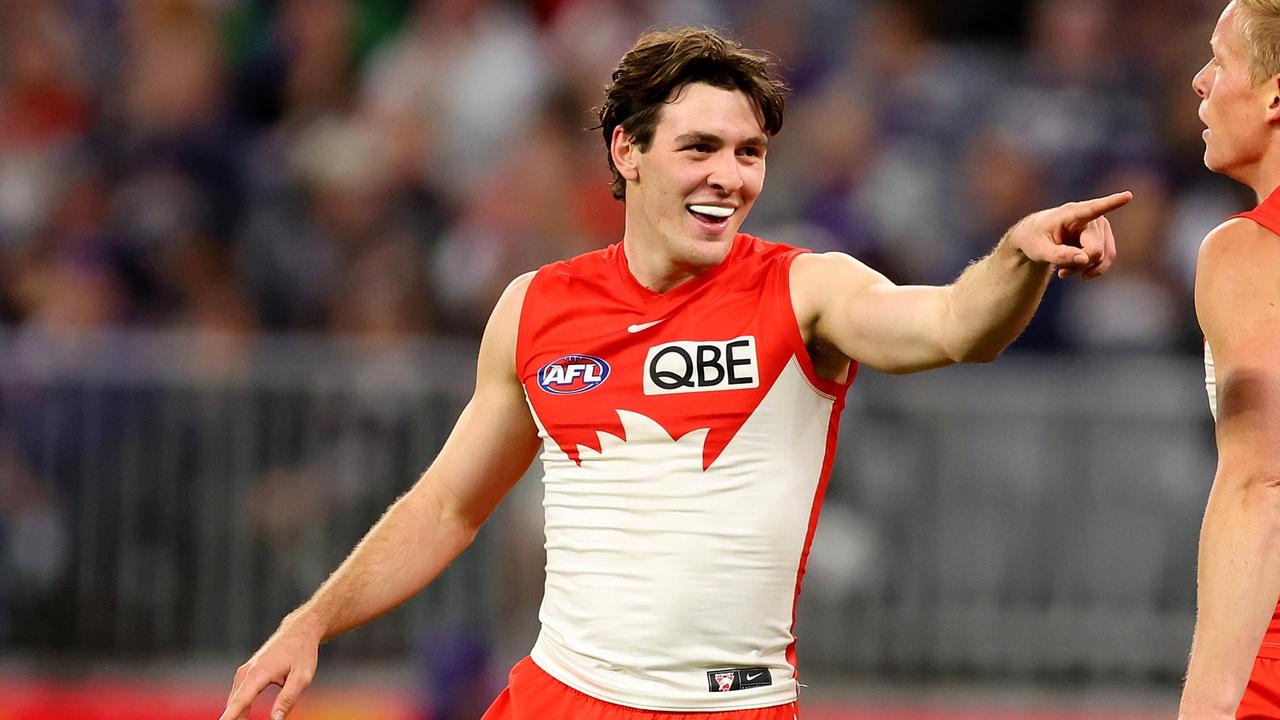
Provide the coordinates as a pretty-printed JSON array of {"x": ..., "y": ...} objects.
[{"x": 643, "y": 326}]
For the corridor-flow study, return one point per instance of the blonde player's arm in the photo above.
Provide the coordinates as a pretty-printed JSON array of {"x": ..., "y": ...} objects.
[
  {"x": 489, "y": 449},
  {"x": 902, "y": 329},
  {"x": 1238, "y": 578}
]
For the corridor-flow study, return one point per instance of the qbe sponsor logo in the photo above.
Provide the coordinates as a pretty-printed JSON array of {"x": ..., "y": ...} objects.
[
  {"x": 701, "y": 366},
  {"x": 573, "y": 374}
]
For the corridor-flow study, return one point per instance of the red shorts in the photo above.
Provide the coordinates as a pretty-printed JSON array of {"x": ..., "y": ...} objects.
[
  {"x": 532, "y": 694},
  {"x": 1261, "y": 699}
]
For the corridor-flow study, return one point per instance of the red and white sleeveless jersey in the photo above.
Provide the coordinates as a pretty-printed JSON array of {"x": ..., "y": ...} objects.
[{"x": 687, "y": 442}]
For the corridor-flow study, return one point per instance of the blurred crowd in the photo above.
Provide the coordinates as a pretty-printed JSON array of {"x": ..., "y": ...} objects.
[{"x": 382, "y": 168}]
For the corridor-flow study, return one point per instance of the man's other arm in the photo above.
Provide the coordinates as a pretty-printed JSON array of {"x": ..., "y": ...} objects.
[
  {"x": 901, "y": 329},
  {"x": 1238, "y": 576},
  {"x": 488, "y": 450}
]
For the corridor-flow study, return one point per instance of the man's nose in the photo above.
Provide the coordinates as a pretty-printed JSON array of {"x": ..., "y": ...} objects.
[
  {"x": 1199, "y": 83},
  {"x": 725, "y": 175}
]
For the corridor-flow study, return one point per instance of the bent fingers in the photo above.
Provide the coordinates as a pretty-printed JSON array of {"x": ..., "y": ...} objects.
[
  {"x": 297, "y": 681},
  {"x": 243, "y": 695}
]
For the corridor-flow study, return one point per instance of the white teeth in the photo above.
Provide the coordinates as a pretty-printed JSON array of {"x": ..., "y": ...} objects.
[{"x": 712, "y": 210}]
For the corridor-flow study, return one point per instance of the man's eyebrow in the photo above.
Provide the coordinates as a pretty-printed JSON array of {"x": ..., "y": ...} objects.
[
  {"x": 713, "y": 139},
  {"x": 690, "y": 138}
]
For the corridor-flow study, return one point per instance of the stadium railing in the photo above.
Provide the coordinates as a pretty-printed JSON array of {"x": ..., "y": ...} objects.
[{"x": 169, "y": 495}]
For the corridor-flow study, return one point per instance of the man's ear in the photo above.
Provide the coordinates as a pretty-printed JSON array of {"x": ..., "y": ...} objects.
[
  {"x": 624, "y": 150},
  {"x": 1273, "y": 105}
]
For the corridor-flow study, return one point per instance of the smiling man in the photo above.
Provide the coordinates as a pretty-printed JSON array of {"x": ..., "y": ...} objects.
[
  {"x": 1234, "y": 670},
  {"x": 685, "y": 385}
]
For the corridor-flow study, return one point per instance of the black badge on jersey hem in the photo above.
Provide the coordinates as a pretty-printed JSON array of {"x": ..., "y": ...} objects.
[{"x": 738, "y": 679}]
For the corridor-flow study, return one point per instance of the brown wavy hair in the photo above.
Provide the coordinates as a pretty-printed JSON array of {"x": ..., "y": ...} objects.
[{"x": 661, "y": 62}]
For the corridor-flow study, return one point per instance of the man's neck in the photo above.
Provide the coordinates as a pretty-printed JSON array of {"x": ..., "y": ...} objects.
[
  {"x": 653, "y": 268},
  {"x": 1264, "y": 176},
  {"x": 1265, "y": 188}
]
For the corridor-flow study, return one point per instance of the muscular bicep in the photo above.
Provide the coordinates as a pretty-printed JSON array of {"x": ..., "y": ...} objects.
[
  {"x": 844, "y": 304},
  {"x": 486, "y": 454},
  {"x": 495, "y": 438},
  {"x": 1249, "y": 412},
  {"x": 1238, "y": 304}
]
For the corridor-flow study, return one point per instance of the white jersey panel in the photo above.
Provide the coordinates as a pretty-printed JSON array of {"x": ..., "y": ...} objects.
[
  {"x": 1210, "y": 381},
  {"x": 659, "y": 572}
]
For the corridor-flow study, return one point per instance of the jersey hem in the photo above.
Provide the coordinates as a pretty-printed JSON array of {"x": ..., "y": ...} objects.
[{"x": 541, "y": 657}]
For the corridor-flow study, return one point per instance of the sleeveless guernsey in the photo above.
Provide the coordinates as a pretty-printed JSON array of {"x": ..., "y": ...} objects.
[{"x": 687, "y": 443}]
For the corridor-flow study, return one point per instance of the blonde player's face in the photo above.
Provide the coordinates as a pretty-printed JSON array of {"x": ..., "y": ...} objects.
[
  {"x": 1233, "y": 109},
  {"x": 700, "y": 176}
]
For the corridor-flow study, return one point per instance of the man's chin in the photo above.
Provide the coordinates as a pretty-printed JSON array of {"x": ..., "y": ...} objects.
[
  {"x": 1222, "y": 167},
  {"x": 1213, "y": 163},
  {"x": 709, "y": 251}
]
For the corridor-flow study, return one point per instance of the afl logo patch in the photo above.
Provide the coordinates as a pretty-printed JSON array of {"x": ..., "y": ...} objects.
[{"x": 573, "y": 374}]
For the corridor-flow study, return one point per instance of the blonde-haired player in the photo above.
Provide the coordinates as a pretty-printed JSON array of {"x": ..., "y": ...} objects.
[{"x": 1235, "y": 661}]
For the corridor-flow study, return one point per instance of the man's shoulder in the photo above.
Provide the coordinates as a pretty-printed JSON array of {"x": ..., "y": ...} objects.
[
  {"x": 1237, "y": 272},
  {"x": 747, "y": 244},
  {"x": 823, "y": 266},
  {"x": 753, "y": 258},
  {"x": 578, "y": 282},
  {"x": 592, "y": 262},
  {"x": 1240, "y": 242}
]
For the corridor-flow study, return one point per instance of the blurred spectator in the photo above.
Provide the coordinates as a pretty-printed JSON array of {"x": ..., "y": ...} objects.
[
  {"x": 456, "y": 669},
  {"x": 914, "y": 89},
  {"x": 468, "y": 72},
  {"x": 1003, "y": 181},
  {"x": 1075, "y": 105},
  {"x": 550, "y": 207},
  {"x": 35, "y": 552},
  {"x": 44, "y": 111},
  {"x": 66, "y": 278},
  {"x": 826, "y": 160},
  {"x": 302, "y": 232},
  {"x": 175, "y": 171}
]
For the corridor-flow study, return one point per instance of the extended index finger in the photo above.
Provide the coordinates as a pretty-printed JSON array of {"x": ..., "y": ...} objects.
[{"x": 1086, "y": 210}]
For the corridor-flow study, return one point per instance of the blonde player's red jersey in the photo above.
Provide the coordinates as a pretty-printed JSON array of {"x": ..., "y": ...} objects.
[
  {"x": 1267, "y": 215},
  {"x": 687, "y": 443}
]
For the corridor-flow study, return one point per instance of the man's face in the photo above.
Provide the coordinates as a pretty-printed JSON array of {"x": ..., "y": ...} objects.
[
  {"x": 691, "y": 190},
  {"x": 1232, "y": 107}
]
